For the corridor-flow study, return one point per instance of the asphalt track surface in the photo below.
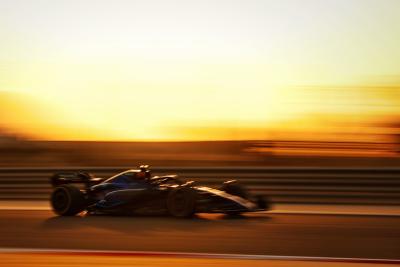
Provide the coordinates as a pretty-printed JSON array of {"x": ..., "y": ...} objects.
[
  {"x": 71, "y": 259},
  {"x": 313, "y": 235}
]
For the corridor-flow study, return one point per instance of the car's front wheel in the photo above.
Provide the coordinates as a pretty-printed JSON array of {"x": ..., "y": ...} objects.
[
  {"x": 67, "y": 200},
  {"x": 235, "y": 189}
]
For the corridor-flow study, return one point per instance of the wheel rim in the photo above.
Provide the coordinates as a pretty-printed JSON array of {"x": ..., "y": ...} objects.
[{"x": 60, "y": 200}]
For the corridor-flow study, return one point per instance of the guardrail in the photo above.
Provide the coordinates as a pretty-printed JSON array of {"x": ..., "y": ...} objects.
[{"x": 281, "y": 185}]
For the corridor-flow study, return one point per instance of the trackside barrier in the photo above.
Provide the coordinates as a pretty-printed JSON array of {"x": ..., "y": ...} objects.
[{"x": 281, "y": 185}]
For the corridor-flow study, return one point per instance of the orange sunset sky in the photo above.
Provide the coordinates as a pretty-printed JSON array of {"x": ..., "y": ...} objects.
[{"x": 197, "y": 70}]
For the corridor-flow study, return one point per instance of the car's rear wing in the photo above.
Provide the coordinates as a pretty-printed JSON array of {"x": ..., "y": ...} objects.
[{"x": 74, "y": 178}]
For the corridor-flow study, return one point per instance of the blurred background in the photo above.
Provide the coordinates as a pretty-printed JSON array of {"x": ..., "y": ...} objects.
[
  {"x": 297, "y": 100},
  {"x": 199, "y": 83}
]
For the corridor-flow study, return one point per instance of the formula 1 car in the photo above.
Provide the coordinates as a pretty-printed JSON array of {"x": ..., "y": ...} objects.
[{"x": 136, "y": 191}]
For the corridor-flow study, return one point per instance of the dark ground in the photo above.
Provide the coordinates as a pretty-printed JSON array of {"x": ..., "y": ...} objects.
[{"x": 274, "y": 234}]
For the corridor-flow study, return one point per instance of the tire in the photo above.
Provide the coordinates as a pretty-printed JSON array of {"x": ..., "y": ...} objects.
[
  {"x": 181, "y": 202},
  {"x": 67, "y": 200},
  {"x": 235, "y": 189}
]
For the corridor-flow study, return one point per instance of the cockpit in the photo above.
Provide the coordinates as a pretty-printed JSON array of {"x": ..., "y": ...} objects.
[{"x": 127, "y": 177}]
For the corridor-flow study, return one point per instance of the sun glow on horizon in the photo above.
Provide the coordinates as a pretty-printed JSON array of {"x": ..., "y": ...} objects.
[{"x": 162, "y": 70}]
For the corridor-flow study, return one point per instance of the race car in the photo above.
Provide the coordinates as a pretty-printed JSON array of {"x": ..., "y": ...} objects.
[{"x": 136, "y": 191}]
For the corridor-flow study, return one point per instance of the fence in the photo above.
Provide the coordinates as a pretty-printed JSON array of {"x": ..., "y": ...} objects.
[{"x": 281, "y": 185}]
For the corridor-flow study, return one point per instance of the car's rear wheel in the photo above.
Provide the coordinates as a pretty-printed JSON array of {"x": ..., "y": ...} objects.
[
  {"x": 181, "y": 202},
  {"x": 67, "y": 200}
]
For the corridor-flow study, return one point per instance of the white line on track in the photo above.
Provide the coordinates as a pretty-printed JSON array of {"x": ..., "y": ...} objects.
[{"x": 195, "y": 255}]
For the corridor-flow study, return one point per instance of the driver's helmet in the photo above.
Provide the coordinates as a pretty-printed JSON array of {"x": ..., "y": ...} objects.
[{"x": 144, "y": 172}]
